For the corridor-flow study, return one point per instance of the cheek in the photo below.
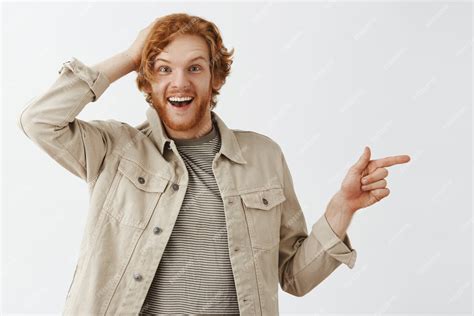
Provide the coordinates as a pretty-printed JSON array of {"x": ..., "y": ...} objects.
[
  {"x": 204, "y": 88},
  {"x": 158, "y": 90}
]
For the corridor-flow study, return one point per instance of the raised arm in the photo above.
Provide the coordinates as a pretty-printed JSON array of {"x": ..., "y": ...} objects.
[
  {"x": 50, "y": 119},
  {"x": 124, "y": 62}
]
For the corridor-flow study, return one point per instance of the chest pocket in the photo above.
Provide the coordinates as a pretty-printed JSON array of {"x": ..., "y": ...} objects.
[
  {"x": 263, "y": 213},
  {"x": 134, "y": 194}
]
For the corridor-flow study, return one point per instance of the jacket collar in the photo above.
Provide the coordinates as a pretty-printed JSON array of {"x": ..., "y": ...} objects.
[{"x": 229, "y": 145}]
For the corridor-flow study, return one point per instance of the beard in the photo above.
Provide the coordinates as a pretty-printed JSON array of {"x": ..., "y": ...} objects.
[{"x": 192, "y": 117}]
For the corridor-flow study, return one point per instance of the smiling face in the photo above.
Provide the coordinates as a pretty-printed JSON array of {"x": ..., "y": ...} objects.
[{"x": 182, "y": 69}]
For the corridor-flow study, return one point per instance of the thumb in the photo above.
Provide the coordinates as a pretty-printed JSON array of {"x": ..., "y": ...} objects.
[{"x": 363, "y": 161}]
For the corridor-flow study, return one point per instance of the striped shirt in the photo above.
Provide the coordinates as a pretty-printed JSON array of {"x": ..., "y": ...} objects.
[{"x": 195, "y": 275}]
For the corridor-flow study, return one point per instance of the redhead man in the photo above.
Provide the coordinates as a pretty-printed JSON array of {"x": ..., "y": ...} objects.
[{"x": 186, "y": 215}]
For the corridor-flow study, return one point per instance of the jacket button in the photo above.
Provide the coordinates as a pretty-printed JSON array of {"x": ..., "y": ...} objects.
[
  {"x": 137, "y": 276},
  {"x": 157, "y": 230},
  {"x": 175, "y": 186},
  {"x": 141, "y": 180},
  {"x": 264, "y": 200}
]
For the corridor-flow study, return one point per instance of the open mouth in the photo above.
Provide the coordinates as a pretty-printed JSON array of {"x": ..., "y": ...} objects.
[{"x": 180, "y": 102}]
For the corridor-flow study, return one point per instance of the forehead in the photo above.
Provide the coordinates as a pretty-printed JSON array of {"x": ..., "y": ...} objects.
[{"x": 184, "y": 48}]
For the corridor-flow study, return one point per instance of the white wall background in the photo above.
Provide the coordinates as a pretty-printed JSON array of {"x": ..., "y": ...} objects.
[{"x": 323, "y": 80}]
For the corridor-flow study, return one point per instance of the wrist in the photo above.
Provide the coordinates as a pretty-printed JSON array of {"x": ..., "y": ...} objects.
[
  {"x": 338, "y": 215},
  {"x": 340, "y": 204},
  {"x": 133, "y": 60}
]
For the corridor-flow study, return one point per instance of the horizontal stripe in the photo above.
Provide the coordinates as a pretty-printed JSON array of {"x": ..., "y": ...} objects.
[{"x": 195, "y": 274}]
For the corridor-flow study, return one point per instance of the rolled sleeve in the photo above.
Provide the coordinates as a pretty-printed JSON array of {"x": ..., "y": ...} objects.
[
  {"x": 96, "y": 80},
  {"x": 340, "y": 250},
  {"x": 50, "y": 120},
  {"x": 306, "y": 260}
]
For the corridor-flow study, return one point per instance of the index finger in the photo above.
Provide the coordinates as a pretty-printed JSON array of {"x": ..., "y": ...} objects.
[{"x": 390, "y": 161}]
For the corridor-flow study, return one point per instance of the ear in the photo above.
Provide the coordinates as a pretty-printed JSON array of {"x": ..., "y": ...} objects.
[
  {"x": 147, "y": 88},
  {"x": 217, "y": 84}
]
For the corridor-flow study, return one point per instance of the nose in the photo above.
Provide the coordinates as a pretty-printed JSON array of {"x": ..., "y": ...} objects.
[{"x": 180, "y": 80}]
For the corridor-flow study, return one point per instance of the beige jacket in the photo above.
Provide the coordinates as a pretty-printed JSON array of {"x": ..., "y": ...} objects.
[{"x": 137, "y": 182}]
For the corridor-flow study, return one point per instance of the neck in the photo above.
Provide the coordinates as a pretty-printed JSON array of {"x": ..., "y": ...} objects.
[{"x": 198, "y": 131}]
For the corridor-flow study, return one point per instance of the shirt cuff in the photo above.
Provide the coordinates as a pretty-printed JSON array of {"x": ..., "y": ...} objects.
[
  {"x": 96, "y": 80},
  {"x": 340, "y": 250}
]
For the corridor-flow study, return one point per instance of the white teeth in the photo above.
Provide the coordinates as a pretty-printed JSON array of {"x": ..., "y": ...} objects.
[{"x": 180, "y": 99}]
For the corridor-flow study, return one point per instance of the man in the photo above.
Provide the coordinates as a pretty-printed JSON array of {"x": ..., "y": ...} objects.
[{"x": 187, "y": 215}]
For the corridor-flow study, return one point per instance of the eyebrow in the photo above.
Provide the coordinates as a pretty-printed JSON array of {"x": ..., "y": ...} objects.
[{"x": 167, "y": 61}]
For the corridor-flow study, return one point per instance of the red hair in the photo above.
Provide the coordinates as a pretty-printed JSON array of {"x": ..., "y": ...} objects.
[{"x": 165, "y": 30}]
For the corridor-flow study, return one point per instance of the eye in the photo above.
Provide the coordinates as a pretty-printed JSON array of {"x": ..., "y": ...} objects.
[
  {"x": 196, "y": 66},
  {"x": 193, "y": 68},
  {"x": 159, "y": 68}
]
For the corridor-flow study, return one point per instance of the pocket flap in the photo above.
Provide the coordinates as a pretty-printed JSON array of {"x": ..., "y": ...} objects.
[
  {"x": 265, "y": 199},
  {"x": 141, "y": 178}
]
